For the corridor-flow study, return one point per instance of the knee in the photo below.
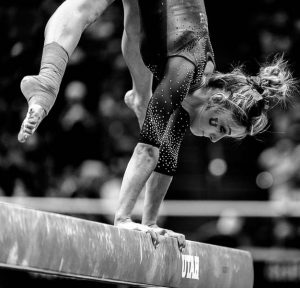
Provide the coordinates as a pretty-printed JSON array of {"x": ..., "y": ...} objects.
[
  {"x": 132, "y": 32},
  {"x": 148, "y": 153},
  {"x": 88, "y": 11},
  {"x": 132, "y": 29}
]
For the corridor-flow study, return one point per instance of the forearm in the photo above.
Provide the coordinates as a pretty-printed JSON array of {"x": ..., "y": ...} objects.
[
  {"x": 139, "y": 169},
  {"x": 156, "y": 189}
]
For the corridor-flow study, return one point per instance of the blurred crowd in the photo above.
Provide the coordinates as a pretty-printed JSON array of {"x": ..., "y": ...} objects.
[
  {"x": 83, "y": 146},
  {"x": 89, "y": 135}
]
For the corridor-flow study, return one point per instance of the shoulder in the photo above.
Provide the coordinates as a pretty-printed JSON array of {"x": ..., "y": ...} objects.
[{"x": 209, "y": 68}]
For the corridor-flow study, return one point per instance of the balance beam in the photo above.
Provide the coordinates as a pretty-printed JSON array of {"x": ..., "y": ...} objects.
[{"x": 66, "y": 246}]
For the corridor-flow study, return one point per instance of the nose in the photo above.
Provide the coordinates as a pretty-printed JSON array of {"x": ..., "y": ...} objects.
[{"x": 215, "y": 138}]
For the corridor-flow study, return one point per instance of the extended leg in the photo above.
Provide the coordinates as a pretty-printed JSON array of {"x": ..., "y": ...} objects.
[
  {"x": 136, "y": 99},
  {"x": 62, "y": 34}
]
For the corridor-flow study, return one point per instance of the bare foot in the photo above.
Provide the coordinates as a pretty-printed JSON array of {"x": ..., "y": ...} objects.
[
  {"x": 34, "y": 87},
  {"x": 138, "y": 104},
  {"x": 34, "y": 117}
]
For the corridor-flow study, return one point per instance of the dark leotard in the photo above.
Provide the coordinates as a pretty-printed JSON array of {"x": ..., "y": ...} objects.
[{"x": 175, "y": 46}]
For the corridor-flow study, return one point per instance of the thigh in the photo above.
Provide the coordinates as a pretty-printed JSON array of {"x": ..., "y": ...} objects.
[{"x": 131, "y": 17}]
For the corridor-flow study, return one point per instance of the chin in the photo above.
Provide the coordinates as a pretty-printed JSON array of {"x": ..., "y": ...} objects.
[{"x": 196, "y": 132}]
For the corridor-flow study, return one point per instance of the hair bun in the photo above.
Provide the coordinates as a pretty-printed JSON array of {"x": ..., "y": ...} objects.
[{"x": 276, "y": 80}]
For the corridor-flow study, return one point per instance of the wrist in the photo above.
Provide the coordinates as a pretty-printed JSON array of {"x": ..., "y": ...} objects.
[
  {"x": 119, "y": 219},
  {"x": 151, "y": 224}
]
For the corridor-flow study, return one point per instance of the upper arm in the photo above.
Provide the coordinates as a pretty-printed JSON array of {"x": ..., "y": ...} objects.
[
  {"x": 175, "y": 84},
  {"x": 166, "y": 98}
]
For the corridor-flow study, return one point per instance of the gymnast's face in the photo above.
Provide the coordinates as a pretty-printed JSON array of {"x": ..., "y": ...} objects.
[{"x": 215, "y": 125}]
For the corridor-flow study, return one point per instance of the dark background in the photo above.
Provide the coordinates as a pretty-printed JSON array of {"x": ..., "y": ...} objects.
[{"x": 82, "y": 148}]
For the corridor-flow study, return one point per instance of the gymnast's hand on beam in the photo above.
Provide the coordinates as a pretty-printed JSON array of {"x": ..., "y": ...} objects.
[
  {"x": 169, "y": 233},
  {"x": 129, "y": 224}
]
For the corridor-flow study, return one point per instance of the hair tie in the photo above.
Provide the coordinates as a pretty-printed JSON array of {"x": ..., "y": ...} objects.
[{"x": 255, "y": 83}]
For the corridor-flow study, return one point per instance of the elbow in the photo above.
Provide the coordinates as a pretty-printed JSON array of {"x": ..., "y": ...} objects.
[{"x": 147, "y": 154}]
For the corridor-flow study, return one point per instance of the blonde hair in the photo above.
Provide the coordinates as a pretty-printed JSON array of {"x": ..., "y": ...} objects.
[{"x": 251, "y": 97}]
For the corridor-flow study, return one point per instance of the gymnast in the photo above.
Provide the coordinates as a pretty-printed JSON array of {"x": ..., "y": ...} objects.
[{"x": 167, "y": 39}]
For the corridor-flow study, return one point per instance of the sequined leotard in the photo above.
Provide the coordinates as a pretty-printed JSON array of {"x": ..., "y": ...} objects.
[{"x": 175, "y": 34}]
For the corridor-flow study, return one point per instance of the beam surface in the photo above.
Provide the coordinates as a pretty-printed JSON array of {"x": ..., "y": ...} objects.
[
  {"x": 67, "y": 246},
  {"x": 173, "y": 208}
]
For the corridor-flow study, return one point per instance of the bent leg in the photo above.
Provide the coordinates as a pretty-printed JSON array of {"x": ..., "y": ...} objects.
[
  {"x": 62, "y": 34},
  {"x": 138, "y": 98},
  {"x": 70, "y": 19}
]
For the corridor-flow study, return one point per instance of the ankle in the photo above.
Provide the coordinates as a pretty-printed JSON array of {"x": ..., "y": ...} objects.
[
  {"x": 54, "y": 62},
  {"x": 43, "y": 88}
]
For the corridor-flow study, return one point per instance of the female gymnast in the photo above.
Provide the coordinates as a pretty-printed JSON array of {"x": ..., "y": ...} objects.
[
  {"x": 175, "y": 47},
  {"x": 170, "y": 38}
]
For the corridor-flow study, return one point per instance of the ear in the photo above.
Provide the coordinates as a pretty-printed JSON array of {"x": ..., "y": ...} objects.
[{"x": 217, "y": 98}]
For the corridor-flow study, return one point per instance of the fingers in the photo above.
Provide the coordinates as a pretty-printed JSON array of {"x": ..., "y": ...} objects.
[
  {"x": 179, "y": 237},
  {"x": 157, "y": 234},
  {"x": 161, "y": 232},
  {"x": 181, "y": 242},
  {"x": 154, "y": 237}
]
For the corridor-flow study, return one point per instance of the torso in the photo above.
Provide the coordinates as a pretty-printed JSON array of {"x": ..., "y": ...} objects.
[
  {"x": 175, "y": 28},
  {"x": 170, "y": 24},
  {"x": 178, "y": 29}
]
